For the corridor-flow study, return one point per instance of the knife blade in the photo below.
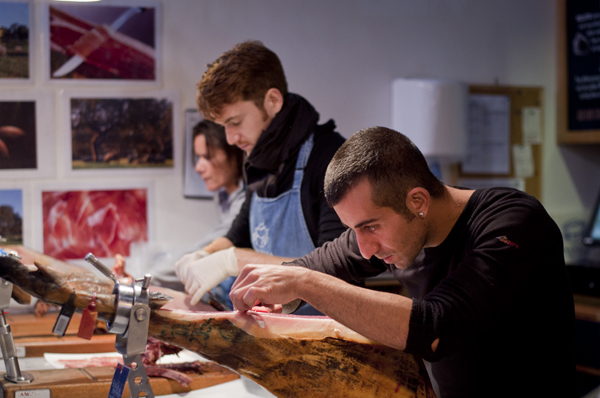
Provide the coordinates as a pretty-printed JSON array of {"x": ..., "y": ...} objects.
[{"x": 77, "y": 60}]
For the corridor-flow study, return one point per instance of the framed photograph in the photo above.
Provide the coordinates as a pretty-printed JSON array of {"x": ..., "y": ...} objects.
[
  {"x": 103, "y": 219},
  {"x": 193, "y": 184},
  {"x": 16, "y": 22},
  {"x": 122, "y": 134},
  {"x": 27, "y": 134},
  {"x": 109, "y": 41},
  {"x": 11, "y": 216},
  {"x": 15, "y": 217}
]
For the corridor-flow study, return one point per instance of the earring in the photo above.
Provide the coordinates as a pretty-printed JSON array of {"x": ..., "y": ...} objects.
[{"x": 421, "y": 214}]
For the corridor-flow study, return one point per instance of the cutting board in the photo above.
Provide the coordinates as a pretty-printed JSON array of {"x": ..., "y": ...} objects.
[{"x": 95, "y": 383}]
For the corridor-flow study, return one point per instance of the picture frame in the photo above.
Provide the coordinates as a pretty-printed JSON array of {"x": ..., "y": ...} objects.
[
  {"x": 115, "y": 41},
  {"x": 193, "y": 185},
  {"x": 90, "y": 208},
  {"x": 120, "y": 132},
  {"x": 17, "y": 55},
  {"x": 37, "y": 146},
  {"x": 18, "y": 195}
]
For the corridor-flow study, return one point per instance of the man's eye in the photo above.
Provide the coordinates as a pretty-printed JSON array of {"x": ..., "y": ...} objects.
[{"x": 369, "y": 228}]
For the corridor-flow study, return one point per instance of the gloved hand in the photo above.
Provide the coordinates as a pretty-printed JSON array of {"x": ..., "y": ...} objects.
[
  {"x": 189, "y": 258},
  {"x": 202, "y": 274}
]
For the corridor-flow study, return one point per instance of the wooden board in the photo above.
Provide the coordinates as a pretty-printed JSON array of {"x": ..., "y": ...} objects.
[
  {"x": 34, "y": 335},
  {"x": 95, "y": 382},
  {"x": 38, "y": 346}
]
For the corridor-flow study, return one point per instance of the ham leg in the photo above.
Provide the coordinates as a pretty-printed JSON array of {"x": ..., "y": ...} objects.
[{"x": 291, "y": 356}]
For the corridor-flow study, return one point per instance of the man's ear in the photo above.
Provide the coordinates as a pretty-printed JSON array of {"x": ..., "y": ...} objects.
[
  {"x": 417, "y": 201},
  {"x": 273, "y": 102}
]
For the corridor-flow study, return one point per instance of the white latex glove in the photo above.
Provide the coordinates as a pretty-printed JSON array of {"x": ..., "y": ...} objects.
[
  {"x": 186, "y": 260},
  {"x": 202, "y": 274}
]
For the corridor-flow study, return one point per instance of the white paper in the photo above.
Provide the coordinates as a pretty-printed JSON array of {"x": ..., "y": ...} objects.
[
  {"x": 56, "y": 359},
  {"x": 489, "y": 135},
  {"x": 523, "y": 161},
  {"x": 531, "y": 125}
]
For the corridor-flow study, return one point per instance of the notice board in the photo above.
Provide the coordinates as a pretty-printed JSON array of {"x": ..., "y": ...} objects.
[
  {"x": 578, "y": 68},
  {"x": 521, "y": 138}
]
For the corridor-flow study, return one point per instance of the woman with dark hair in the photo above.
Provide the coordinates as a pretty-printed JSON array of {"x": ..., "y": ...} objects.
[
  {"x": 220, "y": 166},
  {"x": 218, "y": 163}
]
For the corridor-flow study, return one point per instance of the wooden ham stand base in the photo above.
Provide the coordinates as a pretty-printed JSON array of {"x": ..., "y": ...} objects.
[
  {"x": 95, "y": 383},
  {"x": 33, "y": 335}
]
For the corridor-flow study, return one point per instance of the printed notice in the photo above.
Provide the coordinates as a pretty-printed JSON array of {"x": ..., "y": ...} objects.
[
  {"x": 531, "y": 125},
  {"x": 523, "y": 161},
  {"x": 489, "y": 135}
]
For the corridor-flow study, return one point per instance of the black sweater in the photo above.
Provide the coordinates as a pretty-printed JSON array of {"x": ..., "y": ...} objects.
[
  {"x": 269, "y": 170},
  {"x": 495, "y": 293}
]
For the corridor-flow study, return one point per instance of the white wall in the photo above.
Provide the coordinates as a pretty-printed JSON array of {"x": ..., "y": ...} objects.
[{"x": 342, "y": 55}]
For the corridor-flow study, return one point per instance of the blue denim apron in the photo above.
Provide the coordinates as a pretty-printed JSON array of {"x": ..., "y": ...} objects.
[{"x": 277, "y": 225}]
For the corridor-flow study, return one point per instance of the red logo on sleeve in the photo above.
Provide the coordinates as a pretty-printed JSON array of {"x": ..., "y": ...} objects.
[{"x": 504, "y": 239}]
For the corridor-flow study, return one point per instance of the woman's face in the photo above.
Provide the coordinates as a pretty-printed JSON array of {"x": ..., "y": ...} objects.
[{"x": 216, "y": 171}]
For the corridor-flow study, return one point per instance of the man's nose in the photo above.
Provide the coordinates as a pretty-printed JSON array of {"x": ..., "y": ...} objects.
[
  {"x": 231, "y": 136},
  {"x": 367, "y": 247}
]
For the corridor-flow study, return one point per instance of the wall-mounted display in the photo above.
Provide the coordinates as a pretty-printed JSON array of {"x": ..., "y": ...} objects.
[
  {"x": 101, "y": 221},
  {"x": 18, "y": 145},
  {"x": 11, "y": 216},
  {"x": 102, "y": 41},
  {"x": 578, "y": 88},
  {"x": 15, "y": 45},
  {"x": 121, "y": 133},
  {"x": 26, "y": 134},
  {"x": 193, "y": 184}
]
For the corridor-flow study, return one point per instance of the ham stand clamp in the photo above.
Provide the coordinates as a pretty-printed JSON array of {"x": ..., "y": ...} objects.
[
  {"x": 7, "y": 343},
  {"x": 130, "y": 324}
]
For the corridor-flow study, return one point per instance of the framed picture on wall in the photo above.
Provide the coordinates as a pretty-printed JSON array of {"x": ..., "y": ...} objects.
[
  {"x": 121, "y": 133},
  {"x": 113, "y": 41},
  {"x": 193, "y": 184},
  {"x": 27, "y": 144},
  {"x": 11, "y": 216},
  {"x": 16, "y": 55},
  {"x": 104, "y": 219},
  {"x": 15, "y": 214}
]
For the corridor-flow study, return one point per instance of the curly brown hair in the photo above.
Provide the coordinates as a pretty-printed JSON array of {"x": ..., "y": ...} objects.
[{"x": 244, "y": 73}]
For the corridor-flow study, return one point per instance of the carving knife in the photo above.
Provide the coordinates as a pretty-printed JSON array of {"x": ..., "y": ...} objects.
[{"x": 77, "y": 60}]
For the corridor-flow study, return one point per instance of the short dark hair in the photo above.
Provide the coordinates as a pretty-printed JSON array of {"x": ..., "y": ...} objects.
[
  {"x": 244, "y": 73},
  {"x": 389, "y": 160},
  {"x": 215, "y": 137}
]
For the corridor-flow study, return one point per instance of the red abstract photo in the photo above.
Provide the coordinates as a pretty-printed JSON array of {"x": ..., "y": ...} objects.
[
  {"x": 104, "y": 223},
  {"x": 102, "y": 42}
]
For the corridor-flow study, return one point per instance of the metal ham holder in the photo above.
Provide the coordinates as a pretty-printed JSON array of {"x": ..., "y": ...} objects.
[
  {"x": 7, "y": 343},
  {"x": 130, "y": 324}
]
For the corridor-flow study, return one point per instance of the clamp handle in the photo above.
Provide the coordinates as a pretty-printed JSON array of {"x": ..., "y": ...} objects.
[{"x": 90, "y": 258}]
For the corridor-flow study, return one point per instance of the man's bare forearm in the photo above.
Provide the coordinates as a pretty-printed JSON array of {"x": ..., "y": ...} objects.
[
  {"x": 218, "y": 244},
  {"x": 363, "y": 310}
]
